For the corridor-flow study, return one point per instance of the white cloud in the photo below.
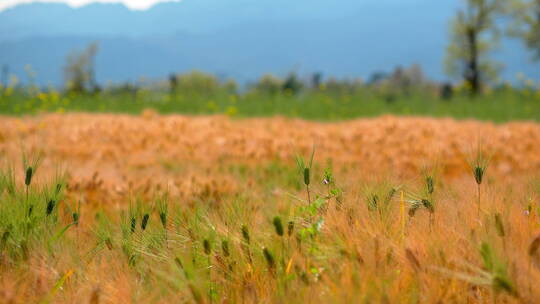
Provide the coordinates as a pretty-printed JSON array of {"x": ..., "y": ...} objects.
[{"x": 132, "y": 4}]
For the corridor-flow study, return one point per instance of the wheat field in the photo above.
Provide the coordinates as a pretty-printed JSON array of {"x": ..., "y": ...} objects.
[{"x": 102, "y": 208}]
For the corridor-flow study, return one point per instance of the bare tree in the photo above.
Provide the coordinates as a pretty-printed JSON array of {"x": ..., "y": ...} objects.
[{"x": 79, "y": 71}]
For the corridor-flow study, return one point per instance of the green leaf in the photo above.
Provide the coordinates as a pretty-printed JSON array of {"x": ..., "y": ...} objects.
[{"x": 487, "y": 256}]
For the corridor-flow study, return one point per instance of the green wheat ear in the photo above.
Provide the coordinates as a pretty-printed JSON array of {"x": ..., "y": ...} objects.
[
  {"x": 163, "y": 210},
  {"x": 30, "y": 166},
  {"x": 207, "y": 247},
  {"x": 290, "y": 228},
  {"x": 50, "y": 207},
  {"x": 75, "y": 216},
  {"x": 178, "y": 263},
  {"x": 144, "y": 222},
  {"x": 373, "y": 202},
  {"x": 133, "y": 224},
  {"x": 58, "y": 189},
  {"x": 269, "y": 258},
  {"x": 225, "y": 248},
  {"x": 28, "y": 177},
  {"x": 306, "y": 176},
  {"x": 479, "y": 165},
  {"x": 278, "y": 226},
  {"x": 428, "y": 205},
  {"x": 499, "y": 225},
  {"x": 245, "y": 233},
  {"x": 163, "y": 219},
  {"x": 479, "y": 174},
  {"x": 430, "y": 184}
]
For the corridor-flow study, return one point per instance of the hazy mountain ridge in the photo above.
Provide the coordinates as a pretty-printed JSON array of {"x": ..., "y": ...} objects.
[{"x": 236, "y": 38}]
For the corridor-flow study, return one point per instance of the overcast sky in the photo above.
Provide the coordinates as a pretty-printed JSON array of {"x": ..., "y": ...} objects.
[{"x": 133, "y": 4}]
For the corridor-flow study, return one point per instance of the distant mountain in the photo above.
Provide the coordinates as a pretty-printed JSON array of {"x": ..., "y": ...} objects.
[{"x": 237, "y": 38}]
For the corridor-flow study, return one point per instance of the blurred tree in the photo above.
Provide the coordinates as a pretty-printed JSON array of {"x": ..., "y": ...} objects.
[
  {"x": 196, "y": 82},
  {"x": 343, "y": 86},
  {"x": 292, "y": 84},
  {"x": 377, "y": 77},
  {"x": 5, "y": 75},
  {"x": 316, "y": 80},
  {"x": 173, "y": 83},
  {"x": 33, "y": 89},
  {"x": 200, "y": 83},
  {"x": 79, "y": 72},
  {"x": 526, "y": 23},
  {"x": 415, "y": 75},
  {"x": 446, "y": 91},
  {"x": 403, "y": 80},
  {"x": 269, "y": 84},
  {"x": 231, "y": 86},
  {"x": 474, "y": 34}
]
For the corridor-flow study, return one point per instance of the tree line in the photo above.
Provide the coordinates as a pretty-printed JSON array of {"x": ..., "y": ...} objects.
[{"x": 475, "y": 33}]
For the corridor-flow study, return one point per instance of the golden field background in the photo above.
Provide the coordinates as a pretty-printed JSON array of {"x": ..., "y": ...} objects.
[
  {"x": 125, "y": 151},
  {"x": 218, "y": 162}
]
